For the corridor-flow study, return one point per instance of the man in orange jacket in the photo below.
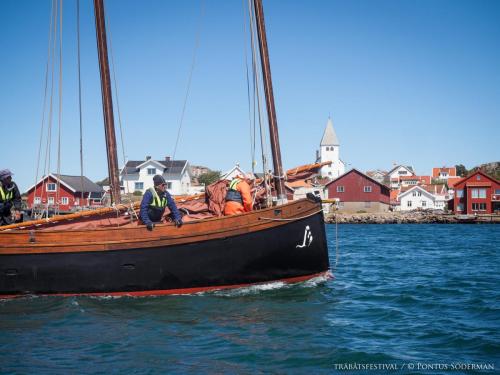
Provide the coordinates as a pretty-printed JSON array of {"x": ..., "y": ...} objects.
[{"x": 238, "y": 197}]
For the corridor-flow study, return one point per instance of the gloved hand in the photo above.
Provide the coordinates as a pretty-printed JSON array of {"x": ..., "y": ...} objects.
[
  {"x": 17, "y": 215},
  {"x": 178, "y": 223},
  {"x": 150, "y": 226}
]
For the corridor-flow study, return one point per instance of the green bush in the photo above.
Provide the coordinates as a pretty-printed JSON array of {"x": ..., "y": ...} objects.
[
  {"x": 209, "y": 177},
  {"x": 137, "y": 193}
]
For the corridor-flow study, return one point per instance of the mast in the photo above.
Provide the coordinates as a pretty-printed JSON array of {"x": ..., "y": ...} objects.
[
  {"x": 107, "y": 101},
  {"x": 279, "y": 174}
]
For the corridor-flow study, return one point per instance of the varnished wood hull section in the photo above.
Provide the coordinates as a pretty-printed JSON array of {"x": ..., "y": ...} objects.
[{"x": 273, "y": 244}]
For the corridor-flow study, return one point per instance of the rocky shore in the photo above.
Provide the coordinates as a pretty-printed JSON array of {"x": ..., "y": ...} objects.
[{"x": 418, "y": 217}]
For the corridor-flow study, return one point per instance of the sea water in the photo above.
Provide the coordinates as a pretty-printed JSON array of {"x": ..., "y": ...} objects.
[{"x": 404, "y": 299}]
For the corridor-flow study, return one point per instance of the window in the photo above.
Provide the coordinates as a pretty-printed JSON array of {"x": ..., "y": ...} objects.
[
  {"x": 460, "y": 207},
  {"x": 151, "y": 171},
  {"x": 478, "y": 206},
  {"x": 139, "y": 185},
  {"x": 414, "y": 194},
  {"x": 37, "y": 200},
  {"x": 478, "y": 177},
  {"x": 340, "y": 189},
  {"x": 460, "y": 193},
  {"x": 497, "y": 191},
  {"x": 419, "y": 194},
  {"x": 51, "y": 200},
  {"x": 51, "y": 187},
  {"x": 424, "y": 204},
  {"x": 367, "y": 189},
  {"x": 169, "y": 185},
  {"x": 408, "y": 204},
  {"x": 478, "y": 193},
  {"x": 77, "y": 201},
  {"x": 482, "y": 193},
  {"x": 64, "y": 200}
]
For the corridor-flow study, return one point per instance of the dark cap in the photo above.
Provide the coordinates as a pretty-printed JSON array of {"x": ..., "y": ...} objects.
[
  {"x": 4, "y": 173},
  {"x": 158, "y": 180}
]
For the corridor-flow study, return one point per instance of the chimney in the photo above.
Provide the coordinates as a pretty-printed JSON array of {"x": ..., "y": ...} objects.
[
  {"x": 167, "y": 158},
  {"x": 148, "y": 158}
]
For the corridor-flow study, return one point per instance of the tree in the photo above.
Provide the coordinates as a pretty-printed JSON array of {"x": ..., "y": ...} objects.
[
  {"x": 209, "y": 177},
  {"x": 461, "y": 170},
  {"x": 103, "y": 182}
]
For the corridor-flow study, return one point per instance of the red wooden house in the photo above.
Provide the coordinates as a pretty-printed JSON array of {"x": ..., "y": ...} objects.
[
  {"x": 359, "y": 192},
  {"x": 477, "y": 193},
  {"x": 64, "y": 193}
]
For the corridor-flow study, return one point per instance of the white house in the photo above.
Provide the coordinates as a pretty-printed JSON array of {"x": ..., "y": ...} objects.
[
  {"x": 329, "y": 150},
  {"x": 393, "y": 177},
  {"x": 444, "y": 173},
  {"x": 137, "y": 175},
  {"x": 419, "y": 197},
  {"x": 377, "y": 175},
  {"x": 302, "y": 187},
  {"x": 232, "y": 173}
]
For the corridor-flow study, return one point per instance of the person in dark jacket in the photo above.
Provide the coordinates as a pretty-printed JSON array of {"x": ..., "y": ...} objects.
[
  {"x": 153, "y": 204},
  {"x": 9, "y": 197}
]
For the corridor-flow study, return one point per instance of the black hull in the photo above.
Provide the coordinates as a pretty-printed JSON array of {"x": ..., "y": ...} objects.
[{"x": 294, "y": 250}]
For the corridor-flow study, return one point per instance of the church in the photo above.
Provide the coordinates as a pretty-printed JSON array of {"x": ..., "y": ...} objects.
[{"x": 329, "y": 150}]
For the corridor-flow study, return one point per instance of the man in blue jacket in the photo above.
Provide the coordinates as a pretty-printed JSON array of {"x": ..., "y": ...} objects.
[{"x": 154, "y": 202}]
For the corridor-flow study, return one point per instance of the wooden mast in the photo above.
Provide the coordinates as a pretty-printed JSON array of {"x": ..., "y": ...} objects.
[
  {"x": 107, "y": 102},
  {"x": 279, "y": 175}
]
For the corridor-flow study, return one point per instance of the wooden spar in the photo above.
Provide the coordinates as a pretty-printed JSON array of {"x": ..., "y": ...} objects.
[
  {"x": 107, "y": 102},
  {"x": 271, "y": 111}
]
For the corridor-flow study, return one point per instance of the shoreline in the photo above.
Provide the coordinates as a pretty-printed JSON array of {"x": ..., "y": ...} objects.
[{"x": 419, "y": 217}]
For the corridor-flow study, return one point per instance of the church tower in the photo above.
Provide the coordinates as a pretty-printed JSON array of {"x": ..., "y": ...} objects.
[{"x": 329, "y": 151}]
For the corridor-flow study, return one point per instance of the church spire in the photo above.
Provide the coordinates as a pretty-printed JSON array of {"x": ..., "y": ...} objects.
[{"x": 329, "y": 136}]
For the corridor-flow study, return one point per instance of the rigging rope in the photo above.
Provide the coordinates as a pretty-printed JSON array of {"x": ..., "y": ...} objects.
[
  {"x": 257, "y": 99},
  {"x": 49, "y": 126},
  {"x": 113, "y": 70},
  {"x": 251, "y": 124},
  {"x": 60, "y": 106},
  {"x": 80, "y": 98},
  {"x": 336, "y": 242},
  {"x": 44, "y": 107},
  {"x": 197, "y": 43}
]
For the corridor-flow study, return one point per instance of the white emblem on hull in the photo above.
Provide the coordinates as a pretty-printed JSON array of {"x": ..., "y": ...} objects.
[{"x": 308, "y": 238}]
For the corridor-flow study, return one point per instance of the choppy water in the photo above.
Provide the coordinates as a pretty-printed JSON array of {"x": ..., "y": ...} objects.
[{"x": 403, "y": 295}]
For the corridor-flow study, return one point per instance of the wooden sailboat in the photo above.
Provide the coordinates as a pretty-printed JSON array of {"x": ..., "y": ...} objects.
[{"x": 285, "y": 242}]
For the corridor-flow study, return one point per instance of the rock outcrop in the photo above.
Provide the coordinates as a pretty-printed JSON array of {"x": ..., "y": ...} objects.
[{"x": 414, "y": 217}]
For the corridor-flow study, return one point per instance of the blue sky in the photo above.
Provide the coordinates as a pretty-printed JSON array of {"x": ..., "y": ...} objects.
[{"x": 412, "y": 82}]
